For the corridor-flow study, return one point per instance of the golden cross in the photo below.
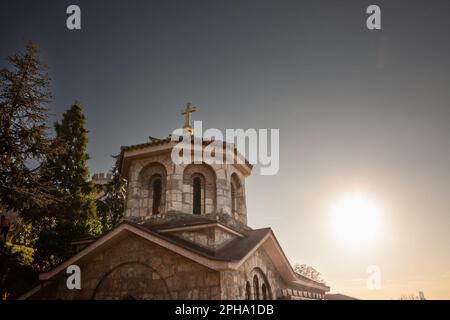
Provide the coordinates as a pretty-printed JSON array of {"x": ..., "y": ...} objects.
[{"x": 187, "y": 112}]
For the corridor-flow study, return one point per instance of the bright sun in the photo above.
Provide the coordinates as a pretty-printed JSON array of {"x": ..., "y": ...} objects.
[{"x": 356, "y": 221}]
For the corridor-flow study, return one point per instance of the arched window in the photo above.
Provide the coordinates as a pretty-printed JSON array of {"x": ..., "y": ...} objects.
[
  {"x": 264, "y": 291},
  {"x": 157, "y": 191},
  {"x": 256, "y": 287},
  {"x": 236, "y": 195},
  {"x": 248, "y": 291},
  {"x": 151, "y": 189},
  {"x": 233, "y": 198},
  {"x": 197, "y": 196},
  {"x": 261, "y": 286},
  {"x": 199, "y": 189}
]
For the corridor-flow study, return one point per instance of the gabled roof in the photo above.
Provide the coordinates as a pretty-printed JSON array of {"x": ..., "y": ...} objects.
[
  {"x": 229, "y": 257},
  {"x": 175, "y": 219},
  {"x": 155, "y": 142},
  {"x": 338, "y": 296},
  {"x": 193, "y": 220},
  {"x": 235, "y": 251}
]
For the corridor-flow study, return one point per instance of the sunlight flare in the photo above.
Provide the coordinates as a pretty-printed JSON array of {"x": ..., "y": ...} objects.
[{"x": 356, "y": 221}]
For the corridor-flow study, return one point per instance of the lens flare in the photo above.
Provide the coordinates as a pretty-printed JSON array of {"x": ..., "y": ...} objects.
[{"x": 356, "y": 221}]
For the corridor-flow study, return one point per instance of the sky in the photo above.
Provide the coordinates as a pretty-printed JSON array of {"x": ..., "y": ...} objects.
[{"x": 357, "y": 109}]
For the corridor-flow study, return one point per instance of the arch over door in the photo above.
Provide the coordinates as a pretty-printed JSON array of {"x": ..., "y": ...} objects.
[{"x": 132, "y": 279}]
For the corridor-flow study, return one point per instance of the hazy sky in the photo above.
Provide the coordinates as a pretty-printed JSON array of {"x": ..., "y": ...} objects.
[{"x": 357, "y": 110}]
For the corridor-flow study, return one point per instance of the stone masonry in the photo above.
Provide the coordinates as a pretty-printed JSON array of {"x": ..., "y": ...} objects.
[
  {"x": 177, "y": 190},
  {"x": 137, "y": 269}
]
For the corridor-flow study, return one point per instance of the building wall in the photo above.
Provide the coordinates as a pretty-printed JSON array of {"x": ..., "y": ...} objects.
[
  {"x": 178, "y": 188},
  {"x": 151, "y": 172},
  {"x": 210, "y": 238},
  {"x": 135, "y": 268},
  {"x": 138, "y": 269},
  {"x": 208, "y": 193},
  {"x": 234, "y": 283}
]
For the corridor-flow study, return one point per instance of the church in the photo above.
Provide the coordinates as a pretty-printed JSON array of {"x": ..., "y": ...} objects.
[{"x": 184, "y": 235}]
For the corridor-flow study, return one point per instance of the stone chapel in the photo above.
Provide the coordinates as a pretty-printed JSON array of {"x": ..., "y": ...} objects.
[{"x": 184, "y": 236}]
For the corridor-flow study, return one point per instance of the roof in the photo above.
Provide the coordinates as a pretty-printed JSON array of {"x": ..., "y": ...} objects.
[
  {"x": 236, "y": 250},
  {"x": 157, "y": 142},
  {"x": 176, "y": 219},
  {"x": 156, "y": 146},
  {"x": 173, "y": 223},
  {"x": 154, "y": 142},
  {"x": 229, "y": 257},
  {"x": 239, "y": 248},
  {"x": 338, "y": 296}
]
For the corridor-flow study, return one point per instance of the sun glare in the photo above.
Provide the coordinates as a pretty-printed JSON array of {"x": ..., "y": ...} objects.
[{"x": 356, "y": 221}]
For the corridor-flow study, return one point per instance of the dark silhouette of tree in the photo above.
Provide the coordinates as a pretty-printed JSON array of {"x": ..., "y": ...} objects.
[
  {"x": 111, "y": 199},
  {"x": 16, "y": 272},
  {"x": 24, "y": 145}
]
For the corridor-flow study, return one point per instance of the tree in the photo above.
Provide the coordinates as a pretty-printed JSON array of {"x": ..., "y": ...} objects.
[
  {"x": 24, "y": 148},
  {"x": 308, "y": 272},
  {"x": 111, "y": 200},
  {"x": 74, "y": 215},
  {"x": 410, "y": 296},
  {"x": 16, "y": 272},
  {"x": 24, "y": 95},
  {"x": 45, "y": 180}
]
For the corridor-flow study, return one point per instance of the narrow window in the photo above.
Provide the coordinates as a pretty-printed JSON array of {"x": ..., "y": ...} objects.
[
  {"x": 157, "y": 186},
  {"x": 236, "y": 194},
  {"x": 233, "y": 198},
  {"x": 256, "y": 287},
  {"x": 197, "y": 203},
  {"x": 248, "y": 292},
  {"x": 264, "y": 291}
]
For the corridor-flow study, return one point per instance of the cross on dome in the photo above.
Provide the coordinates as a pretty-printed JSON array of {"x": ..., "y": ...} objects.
[{"x": 187, "y": 112}]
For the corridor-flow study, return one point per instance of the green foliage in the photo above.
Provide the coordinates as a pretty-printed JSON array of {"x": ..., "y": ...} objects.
[
  {"x": 46, "y": 181},
  {"x": 22, "y": 233},
  {"x": 16, "y": 272},
  {"x": 53, "y": 243},
  {"x": 111, "y": 200},
  {"x": 24, "y": 254},
  {"x": 74, "y": 215},
  {"x": 71, "y": 174}
]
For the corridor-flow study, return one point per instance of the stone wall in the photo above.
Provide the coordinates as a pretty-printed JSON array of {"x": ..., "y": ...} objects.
[
  {"x": 211, "y": 238},
  {"x": 147, "y": 177},
  {"x": 234, "y": 283},
  {"x": 177, "y": 188},
  {"x": 238, "y": 206},
  {"x": 134, "y": 268},
  {"x": 138, "y": 269},
  {"x": 208, "y": 196}
]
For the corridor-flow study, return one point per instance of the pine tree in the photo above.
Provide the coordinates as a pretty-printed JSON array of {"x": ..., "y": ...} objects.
[
  {"x": 24, "y": 95},
  {"x": 74, "y": 215},
  {"x": 70, "y": 170}
]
